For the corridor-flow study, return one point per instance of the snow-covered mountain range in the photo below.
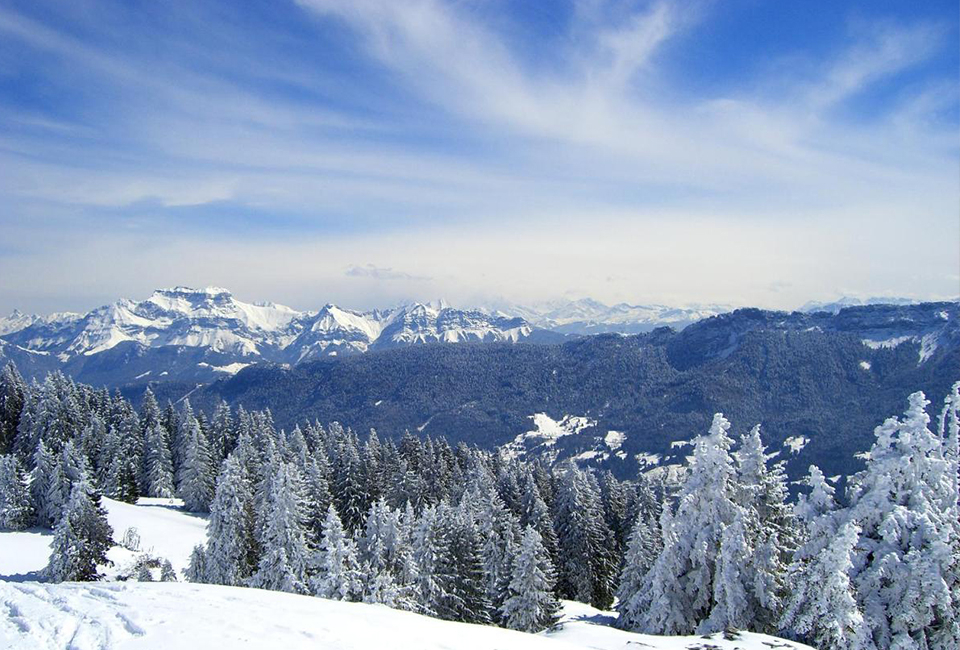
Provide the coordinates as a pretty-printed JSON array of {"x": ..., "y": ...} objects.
[
  {"x": 203, "y": 334},
  {"x": 587, "y": 316},
  {"x": 215, "y": 320}
]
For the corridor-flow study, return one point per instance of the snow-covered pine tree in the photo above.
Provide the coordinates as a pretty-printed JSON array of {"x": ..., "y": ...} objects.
[
  {"x": 762, "y": 490},
  {"x": 733, "y": 608},
  {"x": 531, "y": 605},
  {"x": 614, "y": 497},
  {"x": 949, "y": 433},
  {"x": 15, "y": 512},
  {"x": 283, "y": 559},
  {"x": 819, "y": 522},
  {"x": 643, "y": 545},
  {"x": 197, "y": 569},
  {"x": 535, "y": 512},
  {"x": 72, "y": 464},
  {"x": 167, "y": 573},
  {"x": 230, "y": 542},
  {"x": 373, "y": 461},
  {"x": 127, "y": 471},
  {"x": 466, "y": 589},
  {"x": 91, "y": 440},
  {"x": 13, "y": 394},
  {"x": 144, "y": 574},
  {"x": 350, "y": 491},
  {"x": 337, "y": 568},
  {"x": 822, "y": 609},
  {"x": 587, "y": 570},
  {"x": 196, "y": 481},
  {"x": 384, "y": 557},
  {"x": 317, "y": 498},
  {"x": 44, "y": 478},
  {"x": 158, "y": 467},
  {"x": 432, "y": 558},
  {"x": 499, "y": 532},
  {"x": 81, "y": 537},
  {"x": 679, "y": 593},
  {"x": 54, "y": 415},
  {"x": 903, "y": 571},
  {"x": 149, "y": 411},
  {"x": 223, "y": 432}
]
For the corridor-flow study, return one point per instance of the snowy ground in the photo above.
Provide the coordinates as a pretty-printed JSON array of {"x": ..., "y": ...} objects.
[
  {"x": 119, "y": 615},
  {"x": 161, "y": 616}
]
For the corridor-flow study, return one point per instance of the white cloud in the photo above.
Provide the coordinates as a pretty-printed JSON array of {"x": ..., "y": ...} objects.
[{"x": 552, "y": 178}]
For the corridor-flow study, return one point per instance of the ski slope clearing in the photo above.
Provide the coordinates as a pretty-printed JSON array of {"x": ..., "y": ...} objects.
[
  {"x": 116, "y": 616},
  {"x": 164, "y": 529}
]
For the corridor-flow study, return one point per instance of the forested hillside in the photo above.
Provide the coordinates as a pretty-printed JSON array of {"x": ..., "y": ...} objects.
[{"x": 816, "y": 383}]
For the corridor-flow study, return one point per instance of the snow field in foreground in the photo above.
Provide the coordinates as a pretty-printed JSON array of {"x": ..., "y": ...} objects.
[{"x": 162, "y": 616}]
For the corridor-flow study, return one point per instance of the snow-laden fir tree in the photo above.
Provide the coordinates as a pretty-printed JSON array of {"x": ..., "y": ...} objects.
[
  {"x": 15, "y": 512},
  {"x": 531, "y": 605},
  {"x": 46, "y": 496},
  {"x": 223, "y": 431},
  {"x": 615, "y": 496},
  {"x": 317, "y": 498},
  {"x": 167, "y": 572},
  {"x": 821, "y": 607},
  {"x": 197, "y": 569},
  {"x": 51, "y": 413},
  {"x": 284, "y": 555},
  {"x": 905, "y": 504},
  {"x": 732, "y": 607},
  {"x": 462, "y": 593},
  {"x": 195, "y": 481},
  {"x": 431, "y": 556},
  {"x": 91, "y": 441},
  {"x": 13, "y": 392},
  {"x": 678, "y": 595},
  {"x": 158, "y": 467},
  {"x": 499, "y": 531},
  {"x": 337, "y": 569},
  {"x": 587, "y": 567},
  {"x": 535, "y": 512},
  {"x": 384, "y": 557},
  {"x": 69, "y": 466},
  {"x": 230, "y": 545},
  {"x": 81, "y": 537},
  {"x": 144, "y": 574},
  {"x": 643, "y": 546},
  {"x": 771, "y": 530}
]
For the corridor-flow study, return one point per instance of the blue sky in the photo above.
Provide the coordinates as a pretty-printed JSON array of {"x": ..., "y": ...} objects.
[{"x": 737, "y": 152}]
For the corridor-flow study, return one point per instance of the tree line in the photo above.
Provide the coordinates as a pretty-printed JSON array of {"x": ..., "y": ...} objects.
[{"x": 477, "y": 536}]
